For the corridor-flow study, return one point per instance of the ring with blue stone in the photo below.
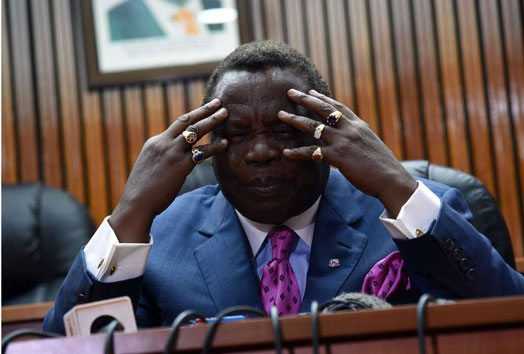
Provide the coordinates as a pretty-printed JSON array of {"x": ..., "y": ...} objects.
[
  {"x": 198, "y": 156},
  {"x": 333, "y": 118}
]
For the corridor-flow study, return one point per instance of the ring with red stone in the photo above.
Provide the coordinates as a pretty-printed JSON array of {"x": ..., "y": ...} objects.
[
  {"x": 333, "y": 118},
  {"x": 198, "y": 156}
]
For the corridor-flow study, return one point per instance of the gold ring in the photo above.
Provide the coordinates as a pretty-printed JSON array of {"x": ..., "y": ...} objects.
[
  {"x": 198, "y": 156},
  {"x": 318, "y": 131},
  {"x": 317, "y": 154},
  {"x": 191, "y": 137},
  {"x": 333, "y": 118}
]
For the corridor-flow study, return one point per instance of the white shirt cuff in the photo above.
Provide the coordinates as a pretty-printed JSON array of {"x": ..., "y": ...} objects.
[
  {"x": 109, "y": 261},
  {"x": 416, "y": 216}
]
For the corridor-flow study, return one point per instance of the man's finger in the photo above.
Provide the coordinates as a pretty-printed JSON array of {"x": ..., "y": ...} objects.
[
  {"x": 182, "y": 122},
  {"x": 312, "y": 103},
  {"x": 208, "y": 150},
  {"x": 338, "y": 106},
  {"x": 313, "y": 152},
  {"x": 306, "y": 125},
  {"x": 204, "y": 126}
]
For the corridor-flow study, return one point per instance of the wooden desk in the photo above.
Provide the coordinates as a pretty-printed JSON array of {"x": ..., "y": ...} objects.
[
  {"x": 479, "y": 326},
  {"x": 24, "y": 316}
]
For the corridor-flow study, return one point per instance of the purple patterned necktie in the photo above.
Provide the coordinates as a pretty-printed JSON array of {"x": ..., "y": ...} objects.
[{"x": 279, "y": 285}]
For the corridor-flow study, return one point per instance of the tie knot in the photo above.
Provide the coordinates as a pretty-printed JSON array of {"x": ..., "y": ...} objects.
[{"x": 281, "y": 238}]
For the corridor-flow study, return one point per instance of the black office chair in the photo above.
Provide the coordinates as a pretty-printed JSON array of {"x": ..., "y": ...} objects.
[
  {"x": 43, "y": 229},
  {"x": 487, "y": 217}
]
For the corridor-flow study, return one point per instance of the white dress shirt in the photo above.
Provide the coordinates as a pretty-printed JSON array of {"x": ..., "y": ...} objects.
[{"x": 110, "y": 261}]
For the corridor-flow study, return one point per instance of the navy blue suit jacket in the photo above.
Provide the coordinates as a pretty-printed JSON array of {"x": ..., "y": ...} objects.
[{"x": 201, "y": 258}]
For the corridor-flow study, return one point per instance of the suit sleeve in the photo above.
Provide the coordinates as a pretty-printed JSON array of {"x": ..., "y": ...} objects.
[
  {"x": 453, "y": 260},
  {"x": 80, "y": 287}
]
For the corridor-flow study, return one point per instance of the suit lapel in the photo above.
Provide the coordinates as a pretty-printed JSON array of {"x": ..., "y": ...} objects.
[
  {"x": 334, "y": 238},
  {"x": 225, "y": 259}
]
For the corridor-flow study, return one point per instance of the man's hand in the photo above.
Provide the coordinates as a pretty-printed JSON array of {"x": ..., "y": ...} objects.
[
  {"x": 160, "y": 172},
  {"x": 352, "y": 147}
]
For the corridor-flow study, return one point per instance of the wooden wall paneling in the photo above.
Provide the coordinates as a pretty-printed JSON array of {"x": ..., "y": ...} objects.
[
  {"x": 9, "y": 148},
  {"x": 274, "y": 20},
  {"x": 256, "y": 19},
  {"x": 409, "y": 96},
  {"x": 474, "y": 94},
  {"x": 514, "y": 42},
  {"x": 46, "y": 100},
  {"x": 25, "y": 115},
  {"x": 318, "y": 51},
  {"x": 69, "y": 106},
  {"x": 155, "y": 112},
  {"x": 175, "y": 101},
  {"x": 385, "y": 76},
  {"x": 500, "y": 122},
  {"x": 116, "y": 154},
  {"x": 134, "y": 123},
  {"x": 451, "y": 81},
  {"x": 427, "y": 58},
  {"x": 196, "y": 93},
  {"x": 97, "y": 178},
  {"x": 365, "y": 105},
  {"x": 342, "y": 79},
  {"x": 295, "y": 24}
]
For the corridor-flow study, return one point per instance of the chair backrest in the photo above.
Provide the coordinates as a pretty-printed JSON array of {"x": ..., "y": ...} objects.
[
  {"x": 43, "y": 229},
  {"x": 487, "y": 217}
]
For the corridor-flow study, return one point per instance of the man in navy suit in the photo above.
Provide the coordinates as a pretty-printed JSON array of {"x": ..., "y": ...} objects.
[{"x": 275, "y": 131}]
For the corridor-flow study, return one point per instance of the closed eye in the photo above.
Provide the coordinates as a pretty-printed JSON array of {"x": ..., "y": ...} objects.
[{"x": 235, "y": 136}]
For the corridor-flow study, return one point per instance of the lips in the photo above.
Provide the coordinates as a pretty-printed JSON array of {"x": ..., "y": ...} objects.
[{"x": 266, "y": 187}]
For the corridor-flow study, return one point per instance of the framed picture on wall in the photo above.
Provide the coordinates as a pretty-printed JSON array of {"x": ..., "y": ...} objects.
[{"x": 138, "y": 41}]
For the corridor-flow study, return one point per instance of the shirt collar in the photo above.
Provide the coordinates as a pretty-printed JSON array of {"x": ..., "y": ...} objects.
[{"x": 303, "y": 224}]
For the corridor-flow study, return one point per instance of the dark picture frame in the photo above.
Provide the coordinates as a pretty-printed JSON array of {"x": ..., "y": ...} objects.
[{"x": 96, "y": 78}]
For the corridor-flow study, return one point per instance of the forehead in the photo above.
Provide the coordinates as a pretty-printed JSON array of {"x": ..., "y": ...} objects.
[{"x": 258, "y": 88}]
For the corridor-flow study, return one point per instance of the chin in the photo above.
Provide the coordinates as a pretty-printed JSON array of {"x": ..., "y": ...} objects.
[
  {"x": 269, "y": 213},
  {"x": 268, "y": 217}
]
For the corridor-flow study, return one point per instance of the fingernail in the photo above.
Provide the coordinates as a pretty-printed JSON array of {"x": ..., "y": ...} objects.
[
  {"x": 282, "y": 114},
  {"x": 292, "y": 92},
  {"x": 215, "y": 102},
  {"x": 313, "y": 92},
  {"x": 223, "y": 141},
  {"x": 222, "y": 112}
]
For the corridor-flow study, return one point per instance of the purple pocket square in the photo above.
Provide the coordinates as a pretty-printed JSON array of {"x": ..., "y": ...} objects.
[{"x": 387, "y": 277}]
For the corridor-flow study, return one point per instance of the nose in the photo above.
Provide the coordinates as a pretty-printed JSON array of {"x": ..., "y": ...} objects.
[{"x": 262, "y": 150}]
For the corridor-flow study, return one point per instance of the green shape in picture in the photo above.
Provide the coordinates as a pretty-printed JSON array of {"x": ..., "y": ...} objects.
[{"x": 132, "y": 20}]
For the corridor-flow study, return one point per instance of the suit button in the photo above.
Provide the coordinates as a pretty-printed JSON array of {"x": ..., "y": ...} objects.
[
  {"x": 80, "y": 299},
  {"x": 471, "y": 274},
  {"x": 450, "y": 244},
  {"x": 457, "y": 254},
  {"x": 464, "y": 264}
]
